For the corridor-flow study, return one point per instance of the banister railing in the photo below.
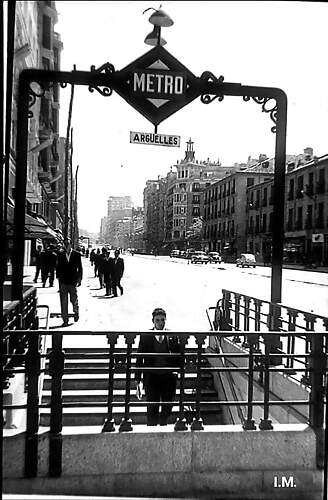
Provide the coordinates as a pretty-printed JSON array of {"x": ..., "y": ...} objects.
[
  {"x": 17, "y": 316},
  {"x": 236, "y": 312},
  {"x": 208, "y": 345}
]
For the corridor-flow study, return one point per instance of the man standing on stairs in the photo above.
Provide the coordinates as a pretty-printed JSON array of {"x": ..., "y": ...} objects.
[
  {"x": 69, "y": 274},
  {"x": 159, "y": 384}
]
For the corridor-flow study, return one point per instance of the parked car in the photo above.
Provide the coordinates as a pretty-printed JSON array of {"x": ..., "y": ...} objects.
[
  {"x": 199, "y": 258},
  {"x": 215, "y": 257},
  {"x": 175, "y": 253},
  {"x": 246, "y": 260}
]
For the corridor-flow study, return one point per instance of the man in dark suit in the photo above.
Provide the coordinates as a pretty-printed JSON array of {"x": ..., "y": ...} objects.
[
  {"x": 117, "y": 272},
  {"x": 159, "y": 385},
  {"x": 107, "y": 270},
  {"x": 49, "y": 266},
  {"x": 38, "y": 262},
  {"x": 69, "y": 274}
]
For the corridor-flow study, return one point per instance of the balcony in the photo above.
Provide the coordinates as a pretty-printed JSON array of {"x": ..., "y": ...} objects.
[{"x": 44, "y": 176}]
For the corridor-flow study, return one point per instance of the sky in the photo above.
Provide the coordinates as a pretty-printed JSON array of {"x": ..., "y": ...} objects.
[{"x": 273, "y": 44}]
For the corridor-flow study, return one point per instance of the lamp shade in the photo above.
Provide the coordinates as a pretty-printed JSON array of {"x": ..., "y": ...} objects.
[
  {"x": 160, "y": 18},
  {"x": 152, "y": 38}
]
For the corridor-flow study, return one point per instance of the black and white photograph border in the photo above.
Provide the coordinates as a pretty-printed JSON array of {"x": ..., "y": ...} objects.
[{"x": 109, "y": 234}]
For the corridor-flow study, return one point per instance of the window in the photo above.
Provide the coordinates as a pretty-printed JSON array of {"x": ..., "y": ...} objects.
[
  {"x": 196, "y": 211},
  {"x": 320, "y": 215},
  {"x": 299, "y": 192},
  {"x": 196, "y": 198},
  {"x": 265, "y": 197},
  {"x": 290, "y": 219},
  {"x": 299, "y": 221},
  {"x": 264, "y": 223},
  {"x": 291, "y": 190},
  {"x": 46, "y": 33},
  {"x": 308, "y": 221},
  {"x": 250, "y": 181}
]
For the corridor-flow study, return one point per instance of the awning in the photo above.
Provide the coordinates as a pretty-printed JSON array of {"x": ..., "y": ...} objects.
[{"x": 35, "y": 227}]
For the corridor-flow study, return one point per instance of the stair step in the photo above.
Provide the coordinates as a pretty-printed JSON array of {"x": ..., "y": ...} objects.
[
  {"x": 118, "y": 395},
  {"x": 98, "y": 381},
  {"x": 105, "y": 350},
  {"x": 97, "y": 416}
]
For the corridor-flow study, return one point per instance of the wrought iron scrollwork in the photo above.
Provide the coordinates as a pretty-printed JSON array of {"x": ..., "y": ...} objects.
[
  {"x": 210, "y": 77},
  {"x": 108, "y": 69},
  {"x": 40, "y": 91},
  {"x": 272, "y": 110},
  {"x": 33, "y": 93}
]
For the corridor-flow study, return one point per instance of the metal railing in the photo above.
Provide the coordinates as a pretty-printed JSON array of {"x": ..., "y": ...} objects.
[
  {"x": 188, "y": 360},
  {"x": 239, "y": 312},
  {"x": 17, "y": 316}
]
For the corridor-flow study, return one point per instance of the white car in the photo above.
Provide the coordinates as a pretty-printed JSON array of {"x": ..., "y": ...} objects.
[
  {"x": 215, "y": 257},
  {"x": 199, "y": 258},
  {"x": 246, "y": 260}
]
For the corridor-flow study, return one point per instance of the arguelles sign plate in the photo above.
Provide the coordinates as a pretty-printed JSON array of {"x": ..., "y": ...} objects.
[{"x": 150, "y": 139}]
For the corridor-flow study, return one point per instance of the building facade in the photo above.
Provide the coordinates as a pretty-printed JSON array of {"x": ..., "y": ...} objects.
[
  {"x": 153, "y": 205},
  {"x": 306, "y": 212},
  {"x": 37, "y": 45},
  {"x": 225, "y": 206},
  {"x": 184, "y": 207},
  {"x": 119, "y": 208}
]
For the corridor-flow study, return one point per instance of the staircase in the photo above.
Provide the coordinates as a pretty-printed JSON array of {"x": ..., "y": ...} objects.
[{"x": 90, "y": 384}]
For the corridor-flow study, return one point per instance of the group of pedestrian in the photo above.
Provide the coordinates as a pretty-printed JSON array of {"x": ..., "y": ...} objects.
[
  {"x": 153, "y": 377},
  {"x": 46, "y": 262},
  {"x": 109, "y": 270}
]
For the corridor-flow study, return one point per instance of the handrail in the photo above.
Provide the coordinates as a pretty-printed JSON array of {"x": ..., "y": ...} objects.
[{"x": 190, "y": 360}]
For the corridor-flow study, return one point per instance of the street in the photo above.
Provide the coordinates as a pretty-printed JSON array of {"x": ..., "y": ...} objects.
[{"x": 183, "y": 290}]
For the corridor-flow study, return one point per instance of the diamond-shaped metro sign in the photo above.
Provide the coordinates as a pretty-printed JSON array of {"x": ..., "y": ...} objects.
[{"x": 157, "y": 85}]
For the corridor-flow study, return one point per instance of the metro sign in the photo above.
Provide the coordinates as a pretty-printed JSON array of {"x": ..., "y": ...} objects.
[
  {"x": 160, "y": 84},
  {"x": 157, "y": 85}
]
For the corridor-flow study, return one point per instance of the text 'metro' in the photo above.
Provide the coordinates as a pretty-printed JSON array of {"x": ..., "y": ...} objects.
[{"x": 158, "y": 84}]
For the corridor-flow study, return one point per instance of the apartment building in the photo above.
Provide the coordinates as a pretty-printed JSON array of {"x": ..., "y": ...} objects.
[
  {"x": 185, "y": 198},
  {"x": 118, "y": 209},
  {"x": 37, "y": 45},
  {"x": 306, "y": 212},
  {"x": 225, "y": 206},
  {"x": 154, "y": 217}
]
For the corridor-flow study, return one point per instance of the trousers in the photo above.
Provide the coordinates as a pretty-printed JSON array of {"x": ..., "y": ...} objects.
[
  {"x": 160, "y": 387},
  {"x": 64, "y": 292}
]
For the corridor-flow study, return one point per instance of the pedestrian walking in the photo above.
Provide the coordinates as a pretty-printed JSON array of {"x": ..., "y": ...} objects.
[
  {"x": 117, "y": 272},
  {"x": 96, "y": 261},
  {"x": 49, "y": 266},
  {"x": 100, "y": 261},
  {"x": 159, "y": 384},
  {"x": 69, "y": 274},
  {"x": 38, "y": 262},
  {"x": 87, "y": 253},
  {"x": 107, "y": 273},
  {"x": 92, "y": 256}
]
